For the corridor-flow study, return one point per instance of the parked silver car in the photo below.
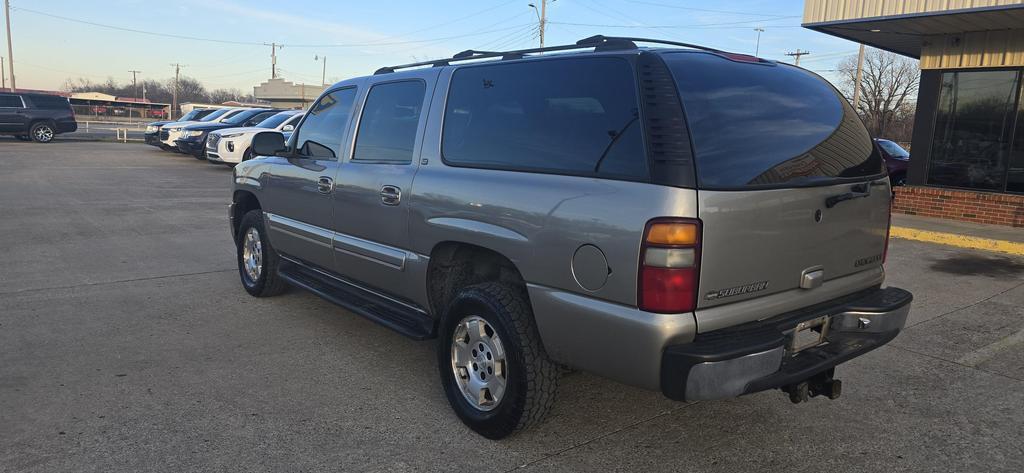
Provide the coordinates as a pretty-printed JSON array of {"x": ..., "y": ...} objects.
[{"x": 682, "y": 219}]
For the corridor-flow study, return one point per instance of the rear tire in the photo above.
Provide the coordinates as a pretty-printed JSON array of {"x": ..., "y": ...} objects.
[
  {"x": 499, "y": 379},
  {"x": 257, "y": 261},
  {"x": 42, "y": 132}
]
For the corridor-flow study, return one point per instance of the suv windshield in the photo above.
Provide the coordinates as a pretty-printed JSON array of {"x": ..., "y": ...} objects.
[
  {"x": 893, "y": 149},
  {"x": 215, "y": 115},
  {"x": 275, "y": 120},
  {"x": 768, "y": 125}
]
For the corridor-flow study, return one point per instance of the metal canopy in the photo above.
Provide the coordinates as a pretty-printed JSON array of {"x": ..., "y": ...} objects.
[{"x": 903, "y": 34}]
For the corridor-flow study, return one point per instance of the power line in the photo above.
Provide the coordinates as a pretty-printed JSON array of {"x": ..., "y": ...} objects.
[
  {"x": 709, "y": 10},
  {"x": 254, "y": 43},
  {"x": 133, "y": 30},
  {"x": 747, "y": 24}
]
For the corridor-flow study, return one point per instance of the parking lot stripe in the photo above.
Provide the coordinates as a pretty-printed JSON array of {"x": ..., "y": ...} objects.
[{"x": 962, "y": 241}]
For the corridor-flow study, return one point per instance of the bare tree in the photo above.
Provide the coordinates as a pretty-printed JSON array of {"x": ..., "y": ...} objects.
[
  {"x": 888, "y": 89},
  {"x": 226, "y": 95}
]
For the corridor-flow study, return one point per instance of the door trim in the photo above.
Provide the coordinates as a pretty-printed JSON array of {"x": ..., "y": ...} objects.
[
  {"x": 389, "y": 256},
  {"x": 297, "y": 229},
  {"x": 372, "y": 251}
]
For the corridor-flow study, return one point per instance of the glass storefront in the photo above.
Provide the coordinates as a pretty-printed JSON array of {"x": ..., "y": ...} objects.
[{"x": 974, "y": 145}]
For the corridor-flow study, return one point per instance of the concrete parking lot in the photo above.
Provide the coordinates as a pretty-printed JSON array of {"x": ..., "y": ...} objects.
[{"x": 127, "y": 344}]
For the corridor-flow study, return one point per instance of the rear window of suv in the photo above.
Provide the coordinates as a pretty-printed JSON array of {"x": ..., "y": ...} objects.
[
  {"x": 768, "y": 125},
  {"x": 561, "y": 116},
  {"x": 50, "y": 102}
]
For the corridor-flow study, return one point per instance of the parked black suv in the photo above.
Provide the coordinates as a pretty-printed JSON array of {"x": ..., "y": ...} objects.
[{"x": 37, "y": 117}]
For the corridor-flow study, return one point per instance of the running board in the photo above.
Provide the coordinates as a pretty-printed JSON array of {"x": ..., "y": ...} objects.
[{"x": 394, "y": 315}]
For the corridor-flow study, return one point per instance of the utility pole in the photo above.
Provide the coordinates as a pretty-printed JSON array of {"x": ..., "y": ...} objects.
[
  {"x": 856, "y": 84},
  {"x": 135, "y": 87},
  {"x": 10, "y": 47},
  {"x": 174, "y": 93},
  {"x": 757, "y": 48},
  {"x": 273, "y": 59},
  {"x": 797, "y": 55},
  {"x": 3, "y": 77},
  {"x": 542, "y": 18}
]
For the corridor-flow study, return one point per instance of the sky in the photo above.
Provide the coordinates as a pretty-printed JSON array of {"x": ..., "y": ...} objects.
[{"x": 221, "y": 42}]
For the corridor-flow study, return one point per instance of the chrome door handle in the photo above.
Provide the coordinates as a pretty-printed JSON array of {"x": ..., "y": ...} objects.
[
  {"x": 324, "y": 185},
  {"x": 390, "y": 195}
]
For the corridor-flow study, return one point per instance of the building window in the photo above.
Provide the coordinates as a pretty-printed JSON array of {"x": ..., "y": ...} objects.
[{"x": 974, "y": 130}]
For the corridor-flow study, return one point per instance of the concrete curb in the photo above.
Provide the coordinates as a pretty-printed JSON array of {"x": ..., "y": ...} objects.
[{"x": 961, "y": 241}]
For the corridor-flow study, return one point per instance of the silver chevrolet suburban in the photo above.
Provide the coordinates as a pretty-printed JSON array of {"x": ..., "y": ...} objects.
[{"x": 675, "y": 217}]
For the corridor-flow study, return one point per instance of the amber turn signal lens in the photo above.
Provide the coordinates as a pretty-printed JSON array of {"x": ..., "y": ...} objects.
[{"x": 671, "y": 233}]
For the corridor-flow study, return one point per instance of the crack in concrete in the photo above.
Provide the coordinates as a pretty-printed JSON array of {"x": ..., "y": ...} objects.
[
  {"x": 119, "y": 281},
  {"x": 952, "y": 362},
  {"x": 603, "y": 436},
  {"x": 968, "y": 306}
]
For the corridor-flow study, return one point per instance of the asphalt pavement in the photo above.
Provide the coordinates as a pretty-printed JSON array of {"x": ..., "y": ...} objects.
[{"x": 128, "y": 344}]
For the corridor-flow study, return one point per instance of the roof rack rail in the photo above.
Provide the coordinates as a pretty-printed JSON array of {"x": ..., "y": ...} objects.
[{"x": 598, "y": 42}]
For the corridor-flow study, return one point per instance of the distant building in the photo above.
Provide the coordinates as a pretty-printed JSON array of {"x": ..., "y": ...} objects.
[
  {"x": 968, "y": 143},
  {"x": 286, "y": 94},
  {"x": 99, "y": 105}
]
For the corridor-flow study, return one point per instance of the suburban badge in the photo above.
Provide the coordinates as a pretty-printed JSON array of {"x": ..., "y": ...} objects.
[{"x": 735, "y": 291}]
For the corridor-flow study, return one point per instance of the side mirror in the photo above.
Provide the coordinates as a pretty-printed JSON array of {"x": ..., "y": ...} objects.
[
  {"x": 268, "y": 143},
  {"x": 288, "y": 128}
]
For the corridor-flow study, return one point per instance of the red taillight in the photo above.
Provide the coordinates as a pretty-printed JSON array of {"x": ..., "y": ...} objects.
[{"x": 669, "y": 266}]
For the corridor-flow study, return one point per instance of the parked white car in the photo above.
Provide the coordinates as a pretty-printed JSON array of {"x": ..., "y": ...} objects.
[
  {"x": 231, "y": 145},
  {"x": 172, "y": 131}
]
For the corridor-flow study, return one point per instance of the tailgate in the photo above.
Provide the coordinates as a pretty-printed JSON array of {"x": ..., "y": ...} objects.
[{"x": 787, "y": 243}]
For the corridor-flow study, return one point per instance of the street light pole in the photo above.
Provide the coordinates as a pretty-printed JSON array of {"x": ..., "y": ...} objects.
[
  {"x": 757, "y": 48},
  {"x": 323, "y": 76},
  {"x": 856, "y": 84}
]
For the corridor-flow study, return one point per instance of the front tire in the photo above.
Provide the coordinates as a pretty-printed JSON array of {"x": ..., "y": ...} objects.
[
  {"x": 41, "y": 132},
  {"x": 495, "y": 372},
  {"x": 257, "y": 260},
  {"x": 201, "y": 155}
]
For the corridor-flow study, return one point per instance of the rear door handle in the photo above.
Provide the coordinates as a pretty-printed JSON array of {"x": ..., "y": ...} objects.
[
  {"x": 390, "y": 195},
  {"x": 324, "y": 185}
]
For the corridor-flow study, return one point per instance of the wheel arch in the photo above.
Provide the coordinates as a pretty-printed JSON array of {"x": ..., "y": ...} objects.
[
  {"x": 456, "y": 264},
  {"x": 243, "y": 202}
]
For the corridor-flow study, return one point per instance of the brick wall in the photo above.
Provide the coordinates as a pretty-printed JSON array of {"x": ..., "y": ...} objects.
[{"x": 969, "y": 206}]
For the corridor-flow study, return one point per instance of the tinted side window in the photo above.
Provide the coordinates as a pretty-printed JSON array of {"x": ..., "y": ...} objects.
[
  {"x": 321, "y": 134},
  {"x": 50, "y": 102},
  {"x": 567, "y": 116},
  {"x": 387, "y": 129},
  {"x": 260, "y": 117},
  {"x": 755, "y": 125},
  {"x": 7, "y": 100}
]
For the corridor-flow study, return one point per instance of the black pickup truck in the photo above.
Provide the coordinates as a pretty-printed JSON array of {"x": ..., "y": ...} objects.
[{"x": 36, "y": 117}]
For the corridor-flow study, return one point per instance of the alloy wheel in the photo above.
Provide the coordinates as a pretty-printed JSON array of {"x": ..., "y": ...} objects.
[
  {"x": 479, "y": 363},
  {"x": 252, "y": 254},
  {"x": 43, "y": 133}
]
